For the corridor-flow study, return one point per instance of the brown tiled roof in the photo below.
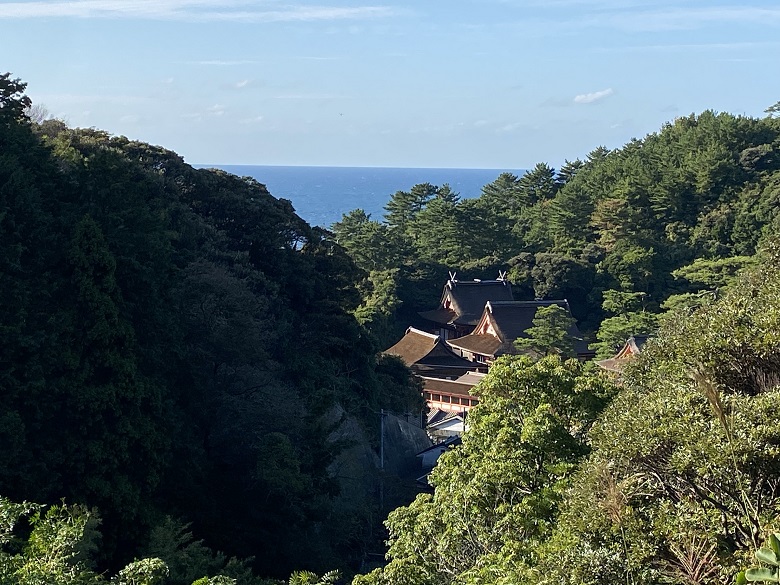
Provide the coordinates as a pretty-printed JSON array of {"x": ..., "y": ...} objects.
[
  {"x": 447, "y": 386},
  {"x": 611, "y": 364},
  {"x": 440, "y": 315},
  {"x": 481, "y": 344},
  {"x": 468, "y": 300},
  {"x": 421, "y": 348},
  {"x": 511, "y": 320},
  {"x": 632, "y": 347}
]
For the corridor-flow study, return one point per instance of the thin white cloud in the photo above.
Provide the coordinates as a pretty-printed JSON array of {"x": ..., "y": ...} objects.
[
  {"x": 675, "y": 18},
  {"x": 255, "y": 120},
  {"x": 309, "y": 96},
  {"x": 589, "y": 98},
  {"x": 186, "y": 10},
  {"x": 224, "y": 63},
  {"x": 591, "y": 4},
  {"x": 215, "y": 111},
  {"x": 510, "y": 127},
  {"x": 692, "y": 47},
  {"x": 98, "y": 8},
  {"x": 293, "y": 14},
  {"x": 652, "y": 16},
  {"x": 241, "y": 84}
]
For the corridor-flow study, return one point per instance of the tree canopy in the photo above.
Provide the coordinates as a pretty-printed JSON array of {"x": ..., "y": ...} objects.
[
  {"x": 564, "y": 477},
  {"x": 700, "y": 194},
  {"x": 181, "y": 352},
  {"x": 176, "y": 341}
]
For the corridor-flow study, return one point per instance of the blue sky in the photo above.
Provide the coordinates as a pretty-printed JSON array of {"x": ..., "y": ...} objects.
[{"x": 432, "y": 83}]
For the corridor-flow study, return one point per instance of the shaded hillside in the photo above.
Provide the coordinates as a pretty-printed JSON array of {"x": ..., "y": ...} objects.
[{"x": 170, "y": 338}]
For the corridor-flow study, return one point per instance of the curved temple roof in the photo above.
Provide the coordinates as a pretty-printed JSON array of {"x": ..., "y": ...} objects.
[
  {"x": 632, "y": 347},
  {"x": 419, "y": 347},
  {"x": 505, "y": 321},
  {"x": 462, "y": 302}
]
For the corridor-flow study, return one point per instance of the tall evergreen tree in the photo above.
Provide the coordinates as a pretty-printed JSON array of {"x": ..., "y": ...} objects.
[
  {"x": 405, "y": 205},
  {"x": 550, "y": 333}
]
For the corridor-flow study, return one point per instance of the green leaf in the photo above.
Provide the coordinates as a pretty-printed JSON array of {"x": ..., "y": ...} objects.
[
  {"x": 774, "y": 542},
  {"x": 768, "y": 556},
  {"x": 740, "y": 579},
  {"x": 762, "y": 574}
]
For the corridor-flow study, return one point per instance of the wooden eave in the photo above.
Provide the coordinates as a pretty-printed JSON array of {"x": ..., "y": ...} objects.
[
  {"x": 444, "y": 386},
  {"x": 419, "y": 348}
]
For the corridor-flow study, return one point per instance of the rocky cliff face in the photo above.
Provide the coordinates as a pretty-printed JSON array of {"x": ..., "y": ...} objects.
[
  {"x": 367, "y": 493},
  {"x": 403, "y": 440}
]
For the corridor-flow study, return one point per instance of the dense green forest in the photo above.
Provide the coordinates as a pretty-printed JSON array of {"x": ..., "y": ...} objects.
[
  {"x": 179, "y": 350},
  {"x": 623, "y": 235},
  {"x": 566, "y": 475}
]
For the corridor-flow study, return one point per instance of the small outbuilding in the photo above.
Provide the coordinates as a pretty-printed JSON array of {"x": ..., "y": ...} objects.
[{"x": 430, "y": 456}]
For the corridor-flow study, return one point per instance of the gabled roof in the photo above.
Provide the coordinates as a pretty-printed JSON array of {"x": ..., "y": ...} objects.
[
  {"x": 448, "y": 420},
  {"x": 454, "y": 387},
  {"x": 484, "y": 344},
  {"x": 462, "y": 301},
  {"x": 504, "y": 321},
  {"x": 471, "y": 378},
  {"x": 632, "y": 347},
  {"x": 419, "y": 347}
]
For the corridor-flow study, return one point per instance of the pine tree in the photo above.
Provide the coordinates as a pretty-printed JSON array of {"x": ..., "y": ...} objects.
[{"x": 549, "y": 334}]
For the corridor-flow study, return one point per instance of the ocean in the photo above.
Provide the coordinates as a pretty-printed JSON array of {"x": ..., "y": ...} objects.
[{"x": 321, "y": 195}]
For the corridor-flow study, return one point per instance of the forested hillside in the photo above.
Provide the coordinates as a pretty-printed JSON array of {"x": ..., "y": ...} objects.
[
  {"x": 175, "y": 344},
  {"x": 621, "y": 235},
  {"x": 180, "y": 354},
  {"x": 664, "y": 475},
  {"x": 565, "y": 477}
]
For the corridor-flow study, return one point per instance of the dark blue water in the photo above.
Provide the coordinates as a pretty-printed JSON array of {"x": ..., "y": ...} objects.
[{"x": 321, "y": 195}]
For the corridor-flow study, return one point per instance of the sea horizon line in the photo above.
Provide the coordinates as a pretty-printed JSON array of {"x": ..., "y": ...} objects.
[{"x": 218, "y": 165}]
